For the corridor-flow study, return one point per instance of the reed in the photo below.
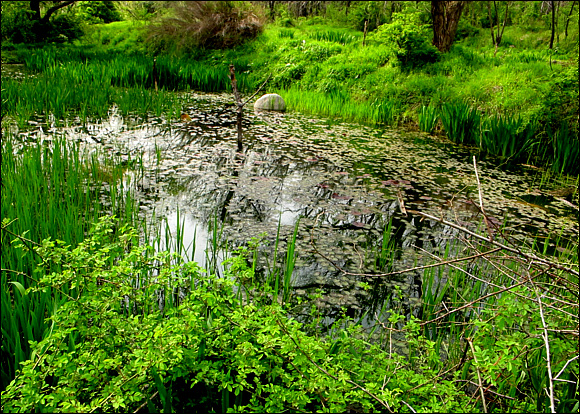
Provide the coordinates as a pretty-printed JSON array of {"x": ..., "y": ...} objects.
[
  {"x": 461, "y": 123},
  {"x": 290, "y": 263},
  {"x": 565, "y": 146},
  {"x": 340, "y": 104},
  {"x": 427, "y": 118},
  {"x": 334, "y": 36},
  {"x": 506, "y": 137},
  {"x": 48, "y": 192}
]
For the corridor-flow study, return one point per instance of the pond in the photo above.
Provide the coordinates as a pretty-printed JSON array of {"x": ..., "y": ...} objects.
[{"x": 340, "y": 186}]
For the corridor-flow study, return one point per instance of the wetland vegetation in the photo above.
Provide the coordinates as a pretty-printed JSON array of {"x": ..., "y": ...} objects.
[{"x": 403, "y": 238}]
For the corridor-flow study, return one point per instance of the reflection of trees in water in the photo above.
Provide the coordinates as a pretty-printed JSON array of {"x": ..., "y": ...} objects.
[{"x": 249, "y": 190}]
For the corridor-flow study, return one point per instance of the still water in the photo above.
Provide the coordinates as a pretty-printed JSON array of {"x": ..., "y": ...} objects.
[{"x": 339, "y": 185}]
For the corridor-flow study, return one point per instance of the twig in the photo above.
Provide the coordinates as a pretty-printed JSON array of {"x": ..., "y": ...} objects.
[
  {"x": 145, "y": 403},
  {"x": 259, "y": 89},
  {"x": 548, "y": 361},
  {"x": 478, "y": 375},
  {"x": 487, "y": 224},
  {"x": 562, "y": 370},
  {"x": 398, "y": 272},
  {"x": 528, "y": 256},
  {"x": 491, "y": 391}
]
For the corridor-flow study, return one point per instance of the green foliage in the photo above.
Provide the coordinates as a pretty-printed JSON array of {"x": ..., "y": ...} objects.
[
  {"x": 372, "y": 12},
  {"x": 410, "y": 39},
  {"x": 55, "y": 191},
  {"x": 506, "y": 137},
  {"x": 97, "y": 11},
  {"x": 20, "y": 26},
  {"x": 461, "y": 123},
  {"x": 115, "y": 338}
]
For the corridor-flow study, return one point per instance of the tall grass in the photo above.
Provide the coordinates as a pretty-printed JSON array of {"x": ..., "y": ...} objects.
[
  {"x": 565, "y": 145},
  {"x": 461, "y": 123},
  {"x": 340, "y": 104},
  {"x": 84, "y": 84},
  {"x": 334, "y": 36},
  {"x": 427, "y": 118},
  {"x": 51, "y": 192},
  {"x": 506, "y": 137}
]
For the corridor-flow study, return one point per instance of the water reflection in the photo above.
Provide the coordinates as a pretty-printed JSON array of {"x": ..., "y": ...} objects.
[{"x": 345, "y": 183}]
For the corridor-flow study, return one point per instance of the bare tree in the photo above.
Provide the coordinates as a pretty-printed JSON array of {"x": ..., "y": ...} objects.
[
  {"x": 553, "y": 24},
  {"x": 568, "y": 19},
  {"x": 446, "y": 15},
  {"x": 496, "y": 38}
]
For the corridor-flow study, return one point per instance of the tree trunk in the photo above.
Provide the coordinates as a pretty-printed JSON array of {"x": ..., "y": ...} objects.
[
  {"x": 445, "y": 16},
  {"x": 35, "y": 7},
  {"x": 553, "y": 25},
  {"x": 568, "y": 19}
]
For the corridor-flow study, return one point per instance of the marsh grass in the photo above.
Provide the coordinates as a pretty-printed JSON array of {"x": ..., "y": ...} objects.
[
  {"x": 565, "y": 146},
  {"x": 461, "y": 123},
  {"x": 87, "y": 84},
  {"x": 428, "y": 117},
  {"x": 340, "y": 105},
  {"x": 334, "y": 36},
  {"x": 49, "y": 191},
  {"x": 506, "y": 136}
]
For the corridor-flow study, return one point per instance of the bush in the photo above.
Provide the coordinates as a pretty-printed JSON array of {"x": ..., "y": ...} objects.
[
  {"x": 98, "y": 12},
  {"x": 19, "y": 26},
  {"x": 212, "y": 25},
  {"x": 409, "y": 38},
  {"x": 120, "y": 344}
]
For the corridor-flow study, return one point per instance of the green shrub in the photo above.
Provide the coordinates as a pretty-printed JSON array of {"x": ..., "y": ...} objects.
[
  {"x": 410, "y": 39},
  {"x": 98, "y": 11},
  {"x": 18, "y": 26},
  {"x": 128, "y": 339}
]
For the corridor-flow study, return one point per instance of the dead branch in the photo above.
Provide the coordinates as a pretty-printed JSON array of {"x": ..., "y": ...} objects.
[
  {"x": 480, "y": 386},
  {"x": 398, "y": 272},
  {"x": 531, "y": 257}
]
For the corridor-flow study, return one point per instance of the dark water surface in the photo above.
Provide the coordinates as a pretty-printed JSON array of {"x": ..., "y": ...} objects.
[{"x": 344, "y": 183}]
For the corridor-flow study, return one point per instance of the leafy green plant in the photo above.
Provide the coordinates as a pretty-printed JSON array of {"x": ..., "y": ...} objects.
[
  {"x": 428, "y": 117},
  {"x": 113, "y": 338},
  {"x": 461, "y": 123},
  {"x": 506, "y": 137},
  {"x": 410, "y": 38}
]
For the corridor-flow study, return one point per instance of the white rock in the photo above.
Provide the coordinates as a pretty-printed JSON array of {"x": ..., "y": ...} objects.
[{"x": 270, "y": 102}]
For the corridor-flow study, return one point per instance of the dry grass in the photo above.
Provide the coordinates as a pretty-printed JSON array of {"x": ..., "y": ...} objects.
[{"x": 207, "y": 24}]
